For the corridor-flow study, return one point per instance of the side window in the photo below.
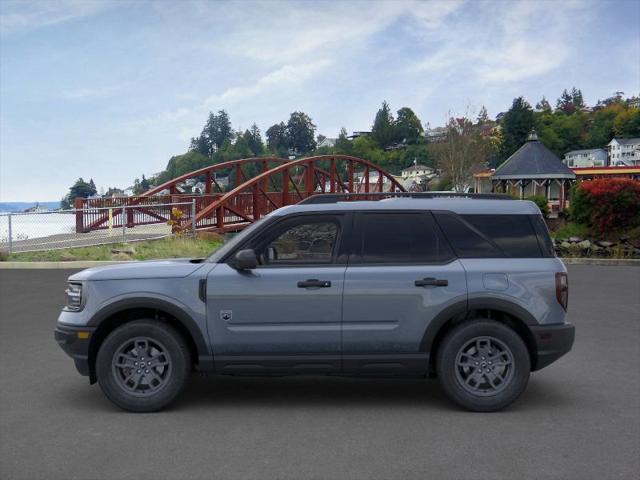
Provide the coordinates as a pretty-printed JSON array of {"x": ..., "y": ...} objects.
[
  {"x": 304, "y": 242},
  {"x": 466, "y": 242},
  {"x": 514, "y": 234},
  {"x": 491, "y": 236},
  {"x": 544, "y": 240},
  {"x": 401, "y": 238}
]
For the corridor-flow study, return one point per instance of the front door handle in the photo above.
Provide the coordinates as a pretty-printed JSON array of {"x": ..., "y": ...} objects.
[
  {"x": 431, "y": 282},
  {"x": 314, "y": 283}
]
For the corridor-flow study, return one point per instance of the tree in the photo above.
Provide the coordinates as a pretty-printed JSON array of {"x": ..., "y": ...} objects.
[
  {"x": 382, "y": 130},
  {"x": 277, "y": 139},
  {"x": 627, "y": 124},
  {"x": 343, "y": 144},
  {"x": 253, "y": 138},
  {"x": 200, "y": 145},
  {"x": 576, "y": 99},
  {"x": 408, "y": 126},
  {"x": 565, "y": 103},
  {"x": 80, "y": 189},
  {"x": 543, "y": 106},
  {"x": 216, "y": 131},
  {"x": 463, "y": 151},
  {"x": 366, "y": 147},
  {"x": 517, "y": 123},
  {"x": 483, "y": 116},
  {"x": 141, "y": 186},
  {"x": 301, "y": 133}
]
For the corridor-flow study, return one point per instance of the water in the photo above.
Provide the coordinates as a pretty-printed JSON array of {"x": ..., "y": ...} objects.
[{"x": 28, "y": 226}]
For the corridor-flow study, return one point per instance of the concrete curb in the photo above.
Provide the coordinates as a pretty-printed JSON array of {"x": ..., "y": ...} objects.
[
  {"x": 81, "y": 264},
  {"x": 615, "y": 262}
]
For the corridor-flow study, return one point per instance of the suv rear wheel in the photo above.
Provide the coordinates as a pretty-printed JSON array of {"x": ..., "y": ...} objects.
[
  {"x": 483, "y": 365},
  {"x": 143, "y": 365}
]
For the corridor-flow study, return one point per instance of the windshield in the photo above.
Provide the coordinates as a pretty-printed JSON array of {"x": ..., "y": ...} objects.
[{"x": 216, "y": 256}]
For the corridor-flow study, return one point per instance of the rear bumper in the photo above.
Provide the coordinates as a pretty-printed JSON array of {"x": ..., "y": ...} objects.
[
  {"x": 74, "y": 345},
  {"x": 552, "y": 342}
]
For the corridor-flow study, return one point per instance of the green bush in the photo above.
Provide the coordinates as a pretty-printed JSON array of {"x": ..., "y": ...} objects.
[{"x": 542, "y": 203}]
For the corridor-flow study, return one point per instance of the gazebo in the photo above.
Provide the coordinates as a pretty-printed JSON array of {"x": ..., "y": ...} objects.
[{"x": 534, "y": 170}]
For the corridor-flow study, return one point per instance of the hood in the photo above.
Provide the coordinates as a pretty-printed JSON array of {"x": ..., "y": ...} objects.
[{"x": 174, "y": 268}]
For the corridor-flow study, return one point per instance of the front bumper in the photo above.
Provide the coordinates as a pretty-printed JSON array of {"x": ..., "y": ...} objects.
[
  {"x": 75, "y": 343},
  {"x": 552, "y": 342}
]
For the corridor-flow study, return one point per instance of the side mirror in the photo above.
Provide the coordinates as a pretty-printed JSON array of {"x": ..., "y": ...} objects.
[{"x": 245, "y": 260}]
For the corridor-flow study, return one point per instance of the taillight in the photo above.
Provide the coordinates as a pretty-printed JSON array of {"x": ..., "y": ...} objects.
[{"x": 562, "y": 289}]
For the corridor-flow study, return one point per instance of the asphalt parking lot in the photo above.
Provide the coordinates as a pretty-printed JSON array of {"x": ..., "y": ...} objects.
[{"x": 579, "y": 418}]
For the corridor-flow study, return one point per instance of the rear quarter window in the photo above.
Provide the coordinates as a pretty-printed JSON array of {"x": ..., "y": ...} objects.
[{"x": 491, "y": 236}]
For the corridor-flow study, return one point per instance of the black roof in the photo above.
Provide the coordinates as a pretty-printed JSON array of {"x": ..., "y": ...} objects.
[{"x": 533, "y": 160}]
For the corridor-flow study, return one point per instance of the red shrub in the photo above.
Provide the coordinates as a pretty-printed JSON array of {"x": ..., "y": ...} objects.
[{"x": 607, "y": 204}]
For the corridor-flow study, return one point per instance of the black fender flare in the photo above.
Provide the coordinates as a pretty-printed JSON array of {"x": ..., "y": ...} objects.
[
  {"x": 463, "y": 307},
  {"x": 179, "y": 313}
]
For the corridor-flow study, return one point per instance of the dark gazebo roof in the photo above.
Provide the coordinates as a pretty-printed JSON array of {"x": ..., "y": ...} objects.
[{"x": 533, "y": 160}]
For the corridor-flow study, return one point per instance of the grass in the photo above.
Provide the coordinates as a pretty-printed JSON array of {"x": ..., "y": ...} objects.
[
  {"x": 170, "y": 247},
  {"x": 571, "y": 230}
]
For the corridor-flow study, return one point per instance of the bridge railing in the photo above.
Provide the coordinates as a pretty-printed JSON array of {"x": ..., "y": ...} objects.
[{"x": 103, "y": 213}]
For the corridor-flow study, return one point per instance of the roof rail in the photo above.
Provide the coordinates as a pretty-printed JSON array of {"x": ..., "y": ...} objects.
[{"x": 341, "y": 197}]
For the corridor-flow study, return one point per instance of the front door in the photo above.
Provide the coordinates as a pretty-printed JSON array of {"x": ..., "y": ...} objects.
[
  {"x": 402, "y": 274},
  {"x": 285, "y": 315}
]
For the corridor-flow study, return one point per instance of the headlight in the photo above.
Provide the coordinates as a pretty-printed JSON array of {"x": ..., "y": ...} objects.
[{"x": 74, "y": 297}]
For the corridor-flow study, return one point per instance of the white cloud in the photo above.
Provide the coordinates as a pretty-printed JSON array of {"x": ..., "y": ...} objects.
[
  {"x": 526, "y": 40},
  {"x": 21, "y": 16},
  {"x": 285, "y": 77}
]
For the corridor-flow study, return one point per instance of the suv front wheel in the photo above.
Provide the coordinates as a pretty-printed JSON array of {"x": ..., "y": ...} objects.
[
  {"x": 143, "y": 365},
  {"x": 483, "y": 365}
]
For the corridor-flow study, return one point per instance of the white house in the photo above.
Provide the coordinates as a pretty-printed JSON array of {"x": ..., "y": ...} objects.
[
  {"x": 624, "y": 152},
  {"x": 594, "y": 157},
  {"x": 327, "y": 142},
  {"x": 417, "y": 172}
]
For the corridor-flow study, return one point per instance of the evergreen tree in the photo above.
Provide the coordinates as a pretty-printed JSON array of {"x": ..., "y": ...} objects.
[
  {"x": 565, "y": 103},
  {"x": 144, "y": 184},
  {"x": 408, "y": 126},
  {"x": 253, "y": 139},
  {"x": 483, "y": 116},
  {"x": 200, "y": 145},
  {"x": 277, "y": 140},
  {"x": 80, "y": 189},
  {"x": 543, "y": 106},
  {"x": 382, "y": 130},
  {"x": 576, "y": 99},
  {"x": 517, "y": 123},
  {"x": 216, "y": 131},
  {"x": 343, "y": 144},
  {"x": 301, "y": 133}
]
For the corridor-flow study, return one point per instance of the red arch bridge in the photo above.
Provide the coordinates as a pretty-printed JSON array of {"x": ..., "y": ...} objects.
[{"x": 253, "y": 188}]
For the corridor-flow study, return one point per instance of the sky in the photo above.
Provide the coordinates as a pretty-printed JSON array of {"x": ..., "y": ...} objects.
[{"x": 111, "y": 90}]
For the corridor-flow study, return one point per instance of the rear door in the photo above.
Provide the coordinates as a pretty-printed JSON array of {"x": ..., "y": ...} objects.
[{"x": 401, "y": 275}]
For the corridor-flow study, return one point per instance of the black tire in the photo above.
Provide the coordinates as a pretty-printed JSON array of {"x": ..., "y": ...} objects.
[
  {"x": 468, "y": 349},
  {"x": 121, "y": 365}
]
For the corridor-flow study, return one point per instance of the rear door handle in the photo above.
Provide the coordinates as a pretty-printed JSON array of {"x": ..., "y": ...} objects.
[
  {"x": 314, "y": 283},
  {"x": 431, "y": 282}
]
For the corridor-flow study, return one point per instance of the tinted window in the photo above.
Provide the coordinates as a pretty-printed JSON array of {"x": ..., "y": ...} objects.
[
  {"x": 466, "y": 241},
  {"x": 306, "y": 242},
  {"x": 401, "y": 238},
  {"x": 544, "y": 239},
  {"x": 491, "y": 236},
  {"x": 513, "y": 234}
]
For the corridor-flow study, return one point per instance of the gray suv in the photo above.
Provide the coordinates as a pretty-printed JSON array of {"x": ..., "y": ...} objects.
[{"x": 467, "y": 290}]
